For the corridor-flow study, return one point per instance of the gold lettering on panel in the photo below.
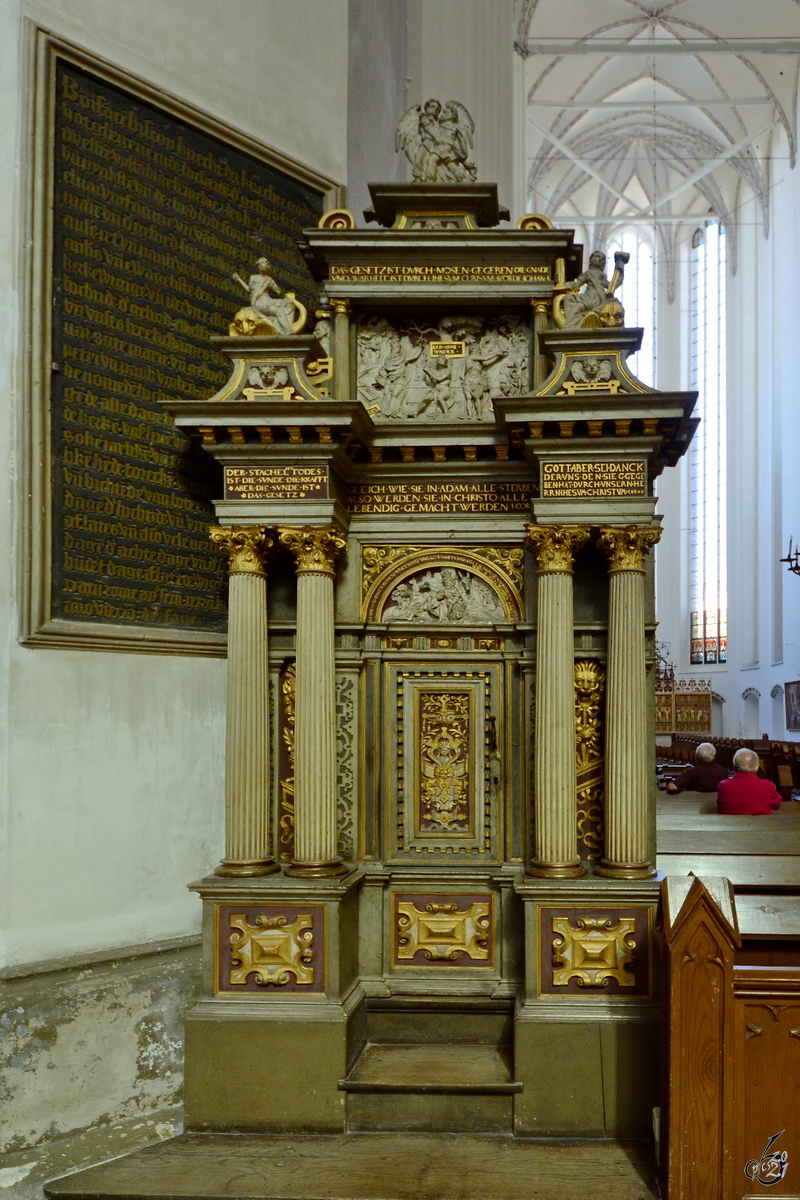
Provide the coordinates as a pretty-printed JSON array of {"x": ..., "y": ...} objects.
[
  {"x": 604, "y": 479},
  {"x": 442, "y": 273}
]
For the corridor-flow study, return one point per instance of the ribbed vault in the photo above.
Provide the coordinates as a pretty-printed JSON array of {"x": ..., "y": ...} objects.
[{"x": 662, "y": 113}]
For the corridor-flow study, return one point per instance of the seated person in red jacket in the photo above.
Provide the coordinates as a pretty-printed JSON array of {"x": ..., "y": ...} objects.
[
  {"x": 745, "y": 793},
  {"x": 706, "y": 776}
]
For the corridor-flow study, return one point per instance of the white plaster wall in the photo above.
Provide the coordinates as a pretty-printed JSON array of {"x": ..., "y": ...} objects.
[
  {"x": 111, "y": 765},
  {"x": 270, "y": 68}
]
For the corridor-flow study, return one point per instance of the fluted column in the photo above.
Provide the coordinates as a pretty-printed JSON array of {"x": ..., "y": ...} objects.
[
  {"x": 626, "y": 705},
  {"x": 247, "y": 774},
  {"x": 341, "y": 349},
  {"x": 555, "y": 780},
  {"x": 315, "y": 833},
  {"x": 541, "y": 317}
]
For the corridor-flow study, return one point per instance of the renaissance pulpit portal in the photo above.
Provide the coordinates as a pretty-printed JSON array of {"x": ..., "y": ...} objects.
[{"x": 435, "y": 902}]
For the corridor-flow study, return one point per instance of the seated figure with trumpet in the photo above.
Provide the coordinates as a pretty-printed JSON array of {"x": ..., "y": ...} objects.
[{"x": 589, "y": 302}]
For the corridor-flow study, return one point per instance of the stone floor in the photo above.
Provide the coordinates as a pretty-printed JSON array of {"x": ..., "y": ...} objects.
[{"x": 369, "y": 1166}]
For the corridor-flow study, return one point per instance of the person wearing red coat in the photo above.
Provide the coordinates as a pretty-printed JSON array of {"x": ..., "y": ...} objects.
[{"x": 745, "y": 793}]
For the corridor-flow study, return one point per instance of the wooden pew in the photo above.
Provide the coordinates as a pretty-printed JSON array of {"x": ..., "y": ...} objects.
[{"x": 731, "y": 1046}]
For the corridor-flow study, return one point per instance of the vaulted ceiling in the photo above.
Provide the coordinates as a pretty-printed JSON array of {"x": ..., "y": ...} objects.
[{"x": 661, "y": 113}]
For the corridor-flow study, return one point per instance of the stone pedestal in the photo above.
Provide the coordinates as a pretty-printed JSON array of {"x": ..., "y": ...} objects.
[
  {"x": 555, "y": 783},
  {"x": 280, "y": 1019},
  {"x": 315, "y": 551},
  {"x": 247, "y": 766},
  {"x": 586, "y": 1026},
  {"x": 626, "y": 711}
]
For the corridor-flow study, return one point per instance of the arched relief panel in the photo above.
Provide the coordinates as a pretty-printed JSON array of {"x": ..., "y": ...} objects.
[{"x": 455, "y": 586}]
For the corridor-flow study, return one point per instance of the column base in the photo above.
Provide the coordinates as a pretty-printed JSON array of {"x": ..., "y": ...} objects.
[
  {"x": 247, "y": 868},
  {"x": 542, "y": 870},
  {"x": 612, "y": 870},
  {"x": 312, "y": 870}
]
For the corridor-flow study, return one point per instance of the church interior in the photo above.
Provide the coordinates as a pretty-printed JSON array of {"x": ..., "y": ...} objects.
[{"x": 399, "y": 427}]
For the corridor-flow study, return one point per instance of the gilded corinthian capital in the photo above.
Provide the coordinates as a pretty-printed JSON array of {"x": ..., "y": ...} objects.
[
  {"x": 247, "y": 545},
  {"x": 625, "y": 548},
  {"x": 315, "y": 550},
  {"x": 554, "y": 545}
]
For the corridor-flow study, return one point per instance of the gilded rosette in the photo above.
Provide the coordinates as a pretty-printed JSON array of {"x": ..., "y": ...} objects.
[
  {"x": 315, "y": 550},
  {"x": 247, "y": 547},
  {"x": 625, "y": 548},
  {"x": 555, "y": 545}
]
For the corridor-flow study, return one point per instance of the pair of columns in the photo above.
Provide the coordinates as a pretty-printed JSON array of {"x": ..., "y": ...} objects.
[
  {"x": 626, "y": 790},
  {"x": 247, "y": 740}
]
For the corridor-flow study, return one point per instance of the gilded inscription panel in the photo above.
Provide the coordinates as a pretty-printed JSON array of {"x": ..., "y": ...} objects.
[
  {"x": 151, "y": 217},
  {"x": 442, "y": 273},
  {"x": 439, "y": 497},
  {"x": 276, "y": 483},
  {"x": 604, "y": 479}
]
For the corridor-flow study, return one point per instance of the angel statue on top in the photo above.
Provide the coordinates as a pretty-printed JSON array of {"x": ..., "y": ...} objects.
[
  {"x": 437, "y": 141},
  {"x": 270, "y": 311}
]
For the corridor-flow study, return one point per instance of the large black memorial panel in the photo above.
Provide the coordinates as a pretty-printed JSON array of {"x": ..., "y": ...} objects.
[{"x": 152, "y": 216}]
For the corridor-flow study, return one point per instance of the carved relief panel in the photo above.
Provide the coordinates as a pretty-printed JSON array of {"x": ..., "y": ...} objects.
[
  {"x": 447, "y": 371},
  {"x": 449, "y": 929},
  {"x": 271, "y": 949},
  {"x": 602, "y": 949}
]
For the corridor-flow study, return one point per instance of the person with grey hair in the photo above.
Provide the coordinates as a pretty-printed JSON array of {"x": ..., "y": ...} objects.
[
  {"x": 745, "y": 793},
  {"x": 705, "y": 776}
]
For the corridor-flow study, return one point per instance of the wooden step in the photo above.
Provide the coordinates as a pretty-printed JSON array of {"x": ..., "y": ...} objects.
[
  {"x": 431, "y": 1088},
  {"x": 479, "y": 1070},
  {"x": 354, "y": 1167}
]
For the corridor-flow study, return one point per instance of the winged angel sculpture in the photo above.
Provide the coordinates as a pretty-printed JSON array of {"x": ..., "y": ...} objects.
[{"x": 437, "y": 141}]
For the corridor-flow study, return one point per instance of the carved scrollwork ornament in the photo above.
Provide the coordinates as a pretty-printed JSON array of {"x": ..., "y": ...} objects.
[
  {"x": 315, "y": 550},
  {"x": 337, "y": 218},
  {"x": 555, "y": 545},
  {"x": 247, "y": 547},
  {"x": 625, "y": 548}
]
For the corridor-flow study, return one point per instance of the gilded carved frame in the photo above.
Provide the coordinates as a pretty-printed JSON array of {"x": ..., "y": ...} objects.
[{"x": 38, "y": 626}]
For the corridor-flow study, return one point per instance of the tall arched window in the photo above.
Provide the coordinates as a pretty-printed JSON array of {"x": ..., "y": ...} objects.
[
  {"x": 709, "y": 474},
  {"x": 638, "y": 296}
]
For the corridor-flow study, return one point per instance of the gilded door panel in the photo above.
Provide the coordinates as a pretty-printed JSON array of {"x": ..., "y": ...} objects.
[{"x": 442, "y": 791}]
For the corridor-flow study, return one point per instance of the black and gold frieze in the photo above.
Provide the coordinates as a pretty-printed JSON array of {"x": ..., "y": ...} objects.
[
  {"x": 270, "y": 949},
  {"x": 151, "y": 217},
  {"x": 443, "y": 929}
]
